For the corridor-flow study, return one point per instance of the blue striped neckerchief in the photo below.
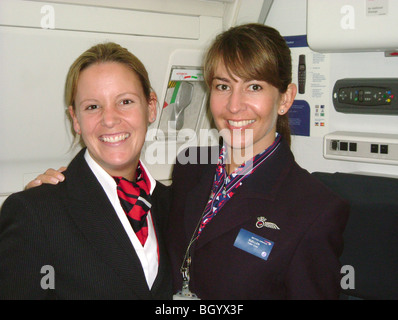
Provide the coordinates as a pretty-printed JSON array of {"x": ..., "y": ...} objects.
[{"x": 224, "y": 186}]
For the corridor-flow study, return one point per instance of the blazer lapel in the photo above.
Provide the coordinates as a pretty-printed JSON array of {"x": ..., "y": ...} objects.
[
  {"x": 96, "y": 218},
  {"x": 235, "y": 212},
  {"x": 159, "y": 211},
  {"x": 197, "y": 199}
]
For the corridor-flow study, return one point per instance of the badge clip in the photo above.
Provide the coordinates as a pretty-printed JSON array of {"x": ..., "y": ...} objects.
[{"x": 185, "y": 293}]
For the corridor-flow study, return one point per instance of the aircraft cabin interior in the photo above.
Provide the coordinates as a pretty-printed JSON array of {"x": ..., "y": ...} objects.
[{"x": 343, "y": 119}]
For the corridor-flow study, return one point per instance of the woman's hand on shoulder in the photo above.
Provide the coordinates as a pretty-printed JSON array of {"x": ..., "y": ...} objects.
[{"x": 51, "y": 176}]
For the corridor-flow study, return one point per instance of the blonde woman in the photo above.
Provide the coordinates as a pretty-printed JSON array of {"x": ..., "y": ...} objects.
[{"x": 93, "y": 242}]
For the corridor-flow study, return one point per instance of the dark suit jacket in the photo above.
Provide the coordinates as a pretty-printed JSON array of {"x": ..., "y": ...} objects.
[
  {"x": 73, "y": 228},
  {"x": 303, "y": 263}
]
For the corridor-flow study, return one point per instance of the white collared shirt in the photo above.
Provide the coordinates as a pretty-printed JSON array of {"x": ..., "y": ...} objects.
[{"x": 148, "y": 254}]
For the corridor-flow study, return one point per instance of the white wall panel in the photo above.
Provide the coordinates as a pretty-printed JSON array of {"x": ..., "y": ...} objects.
[{"x": 32, "y": 14}]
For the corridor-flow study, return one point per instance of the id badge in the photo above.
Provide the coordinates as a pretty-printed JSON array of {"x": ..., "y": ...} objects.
[{"x": 254, "y": 244}]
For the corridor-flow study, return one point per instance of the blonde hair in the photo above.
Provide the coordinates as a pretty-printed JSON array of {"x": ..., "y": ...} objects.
[
  {"x": 101, "y": 53},
  {"x": 253, "y": 51}
]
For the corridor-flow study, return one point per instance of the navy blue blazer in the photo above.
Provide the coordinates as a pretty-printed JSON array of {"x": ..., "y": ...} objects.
[
  {"x": 304, "y": 261},
  {"x": 73, "y": 228}
]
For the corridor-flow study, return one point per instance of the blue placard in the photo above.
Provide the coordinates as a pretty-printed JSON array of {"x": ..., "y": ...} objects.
[
  {"x": 299, "y": 118},
  {"x": 296, "y": 41},
  {"x": 253, "y": 244}
]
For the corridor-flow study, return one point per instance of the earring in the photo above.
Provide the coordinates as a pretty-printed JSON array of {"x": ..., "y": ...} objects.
[{"x": 282, "y": 111}]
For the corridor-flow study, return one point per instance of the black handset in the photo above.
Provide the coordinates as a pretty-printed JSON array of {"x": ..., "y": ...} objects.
[{"x": 301, "y": 73}]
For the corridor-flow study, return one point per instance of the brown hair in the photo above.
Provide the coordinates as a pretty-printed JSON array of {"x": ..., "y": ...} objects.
[
  {"x": 101, "y": 53},
  {"x": 253, "y": 51}
]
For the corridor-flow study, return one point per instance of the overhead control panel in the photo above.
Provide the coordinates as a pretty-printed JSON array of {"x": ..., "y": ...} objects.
[{"x": 366, "y": 96}]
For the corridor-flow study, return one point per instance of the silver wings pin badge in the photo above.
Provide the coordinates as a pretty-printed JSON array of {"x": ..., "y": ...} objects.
[{"x": 262, "y": 222}]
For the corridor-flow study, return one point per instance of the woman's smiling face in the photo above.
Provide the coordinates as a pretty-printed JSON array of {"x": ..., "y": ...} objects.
[
  {"x": 112, "y": 115},
  {"x": 245, "y": 111}
]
